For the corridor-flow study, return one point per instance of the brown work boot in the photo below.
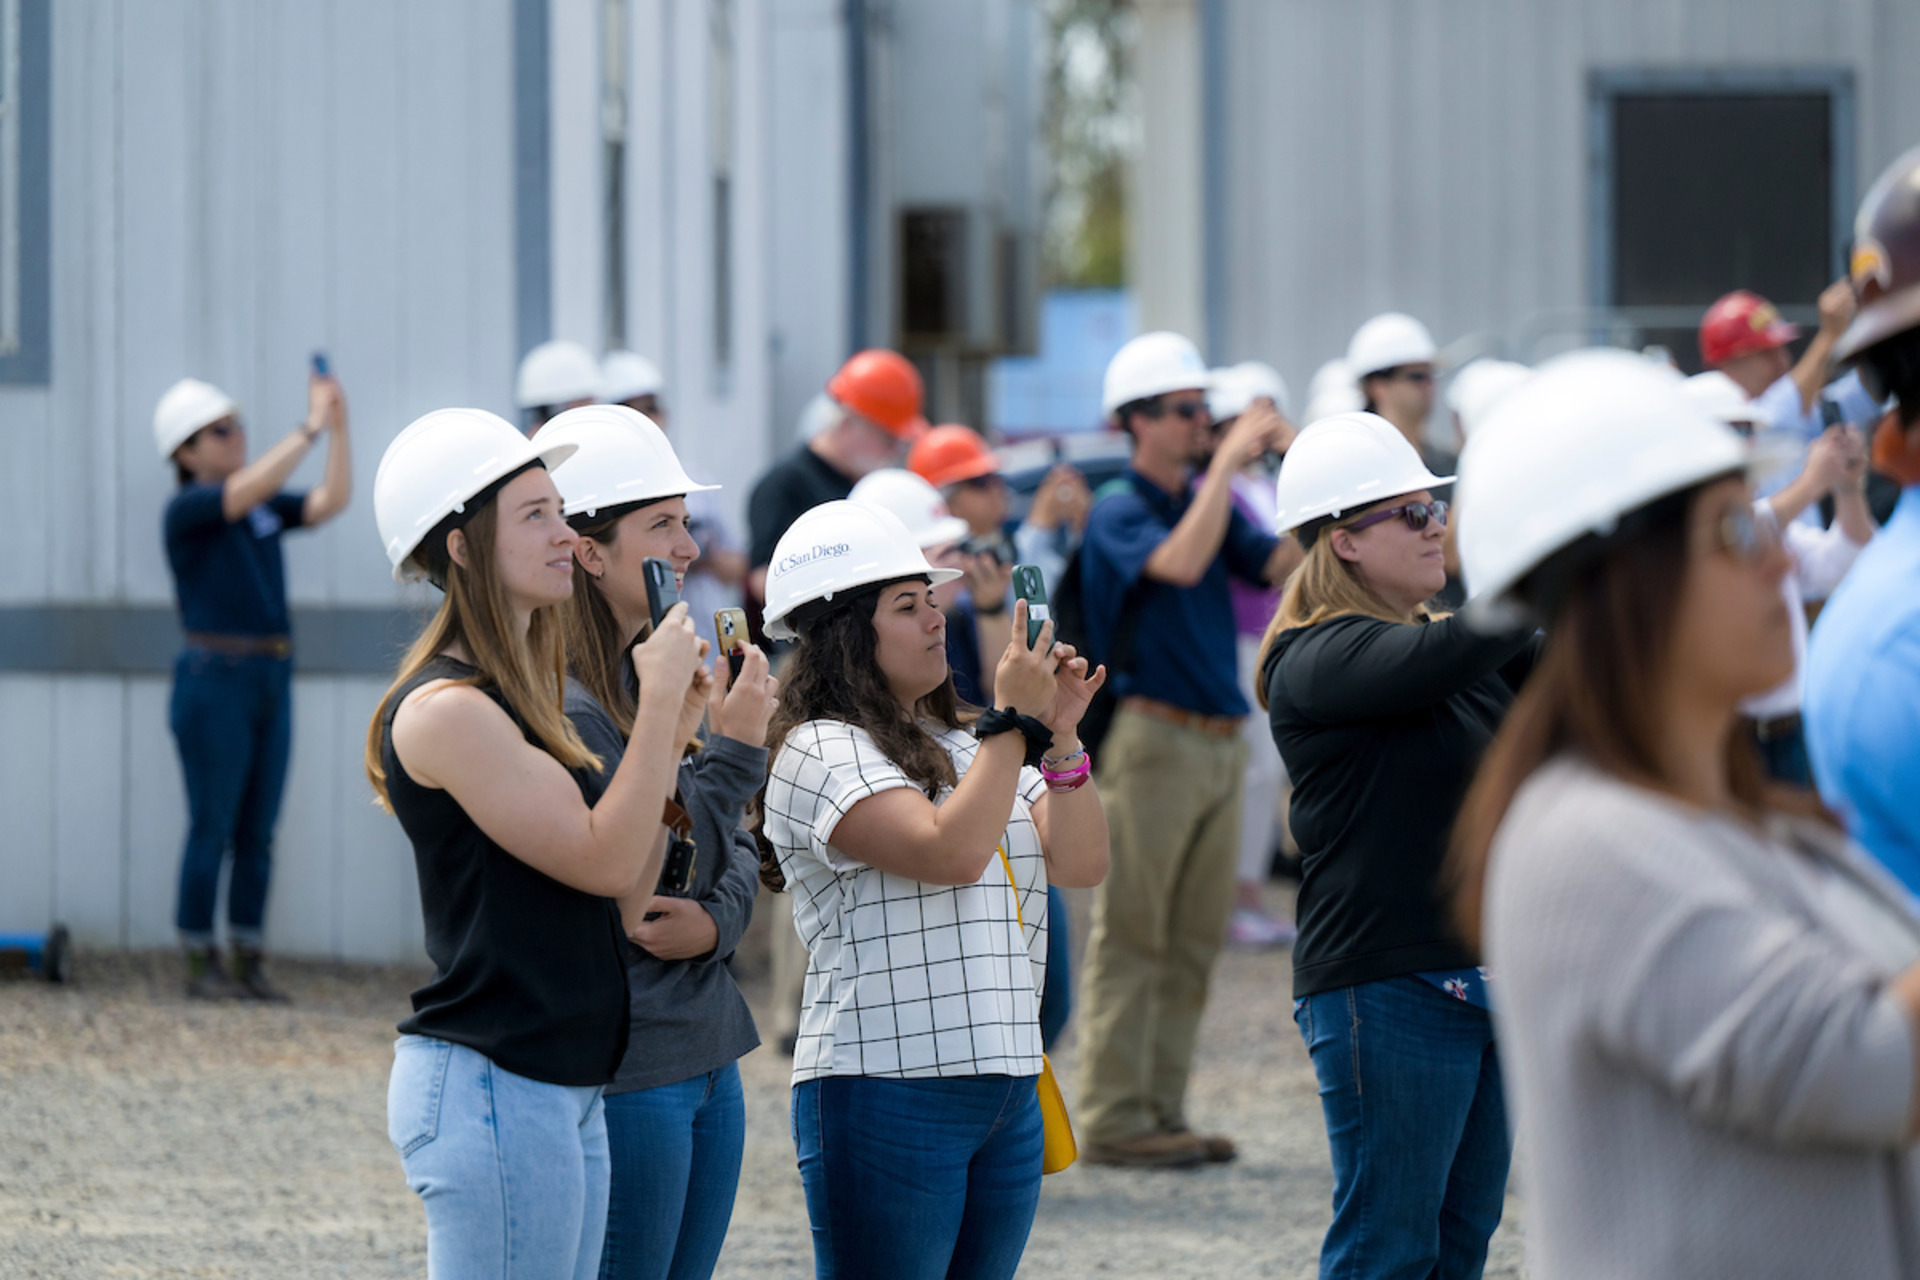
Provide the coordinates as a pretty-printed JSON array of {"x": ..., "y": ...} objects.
[
  {"x": 1154, "y": 1150},
  {"x": 252, "y": 977},
  {"x": 207, "y": 978},
  {"x": 1219, "y": 1147}
]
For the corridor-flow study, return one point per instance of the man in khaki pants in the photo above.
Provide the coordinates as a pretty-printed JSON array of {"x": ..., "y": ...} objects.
[{"x": 1154, "y": 572}]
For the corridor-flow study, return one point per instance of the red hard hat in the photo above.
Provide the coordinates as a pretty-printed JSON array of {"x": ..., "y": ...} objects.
[
  {"x": 949, "y": 454},
  {"x": 884, "y": 388},
  {"x": 1739, "y": 325}
]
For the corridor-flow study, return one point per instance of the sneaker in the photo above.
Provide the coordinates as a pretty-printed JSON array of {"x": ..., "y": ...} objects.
[
  {"x": 252, "y": 977},
  {"x": 207, "y": 978},
  {"x": 1156, "y": 1150},
  {"x": 1250, "y": 930}
]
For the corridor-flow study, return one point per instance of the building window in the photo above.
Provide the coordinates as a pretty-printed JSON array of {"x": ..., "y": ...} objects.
[
  {"x": 25, "y": 353},
  {"x": 720, "y": 77},
  {"x": 613, "y": 163}
]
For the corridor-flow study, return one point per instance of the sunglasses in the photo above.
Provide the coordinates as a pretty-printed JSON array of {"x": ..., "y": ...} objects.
[
  {"x": 991, "y": 480},
  {"x": 1416, "y": 514},
  {"x": 1191, "y": 410},
  {"x": 1744, "y": 536}
]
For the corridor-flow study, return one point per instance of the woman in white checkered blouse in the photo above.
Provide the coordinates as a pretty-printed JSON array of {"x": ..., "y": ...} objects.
[{"x": 914, "y": 1110}]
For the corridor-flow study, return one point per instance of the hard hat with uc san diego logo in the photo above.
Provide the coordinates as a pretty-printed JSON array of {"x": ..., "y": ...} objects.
[{"x": 838, "y": 548}]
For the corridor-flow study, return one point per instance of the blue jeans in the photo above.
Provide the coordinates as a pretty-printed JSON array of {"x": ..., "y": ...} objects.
[
  {"x": 233, "y": 723},
  {"x": 1410, "y": 1085},
  {"x": 513, "y": 1172},
  {"x": 918, "y": 1179},
  {"x": 1056, "y": 998},
  {"x": 676, "y": 1164}
]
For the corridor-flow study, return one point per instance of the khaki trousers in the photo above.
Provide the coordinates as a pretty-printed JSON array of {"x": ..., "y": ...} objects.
[{"x": 1172, "y": 797}]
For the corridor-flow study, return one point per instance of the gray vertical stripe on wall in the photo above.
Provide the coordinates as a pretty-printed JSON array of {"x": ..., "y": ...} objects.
[{"x": 532, "y": 238}]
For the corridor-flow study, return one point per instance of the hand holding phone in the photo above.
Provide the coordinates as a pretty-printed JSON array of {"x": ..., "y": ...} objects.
[
  {"x": 663, "y": 591},
  {"x": 730, "y": 628},
  {"x": 1031, "y": 586}
]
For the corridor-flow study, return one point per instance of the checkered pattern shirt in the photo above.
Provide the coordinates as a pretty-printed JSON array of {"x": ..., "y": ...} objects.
[{"x": 905, "y": 979}]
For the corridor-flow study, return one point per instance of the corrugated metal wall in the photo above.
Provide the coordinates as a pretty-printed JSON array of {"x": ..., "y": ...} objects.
[
  {"x": 1432, "y": 157},
  {"x": 237, "y": 183}
]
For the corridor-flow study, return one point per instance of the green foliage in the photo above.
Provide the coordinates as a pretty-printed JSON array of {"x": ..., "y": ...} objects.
[{"x": 1090, "y": 140}]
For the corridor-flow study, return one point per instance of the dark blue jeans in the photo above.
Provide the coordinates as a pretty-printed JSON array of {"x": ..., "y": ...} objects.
[
  {"x": 676, "y": 1164},
  {"x": 1056, "y": 999},
  {"x": 918, "y": 1179},
  {"x": 233, "y": 723},
  {"x": 1410, "y": 1086}
]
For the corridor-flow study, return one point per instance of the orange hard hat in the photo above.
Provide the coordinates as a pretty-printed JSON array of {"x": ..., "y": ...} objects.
[
  {"x": 949, "y": 454},
  {"x": 884, "y": 388},
  {"x": 1740, "y": 324}
]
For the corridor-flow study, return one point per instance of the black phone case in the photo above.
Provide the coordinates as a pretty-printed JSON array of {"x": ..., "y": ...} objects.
[{"x": 662, "y": 595}]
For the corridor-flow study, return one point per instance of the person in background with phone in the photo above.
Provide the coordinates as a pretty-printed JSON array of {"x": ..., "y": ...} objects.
[
  {"x": 918, "y": 843},
  {"x": 232, "y": 708},
  {"x": 676, "y": 1117},
  {"x": 495, "y": 1100}
]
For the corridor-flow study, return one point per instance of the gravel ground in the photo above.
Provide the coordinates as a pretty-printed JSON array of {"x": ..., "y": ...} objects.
[{"x": 146, "y": 1137}]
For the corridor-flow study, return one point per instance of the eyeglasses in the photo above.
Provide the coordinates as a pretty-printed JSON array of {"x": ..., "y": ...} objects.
[
  {"x": 1191, "y": 410},
  {"x": 1416, "y": 514},
  {"x": 1744, "y": 536}
]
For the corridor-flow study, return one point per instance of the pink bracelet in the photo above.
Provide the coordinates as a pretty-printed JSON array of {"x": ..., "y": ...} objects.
[{"x": 1068, "y": 779}]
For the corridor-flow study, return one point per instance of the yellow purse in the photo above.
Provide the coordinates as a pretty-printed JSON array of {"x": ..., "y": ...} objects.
[{"x": 1060, "y": 1148}]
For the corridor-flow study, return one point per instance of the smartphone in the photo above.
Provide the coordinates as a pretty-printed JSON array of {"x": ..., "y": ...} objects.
[
  {"x": 676, "y": 872},
  {"x": 662, "y": 592},
  {"x": 1029, "y": 585},
  {"x": 320, "y": 365},
  {"x": 730, "y": 627}
]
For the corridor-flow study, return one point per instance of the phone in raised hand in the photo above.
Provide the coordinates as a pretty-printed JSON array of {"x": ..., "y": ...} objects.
[
  {"x": 730, "y": 629},
  {"x": 1031, "y": 586},
  {"x": 663, "y": 592}
]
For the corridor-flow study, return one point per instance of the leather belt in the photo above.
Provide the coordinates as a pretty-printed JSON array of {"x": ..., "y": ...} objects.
[
  {"x": 1776, "y": 726},
  {"x": 231, "y": 646},
  {"x": 1167, "y": 713}
]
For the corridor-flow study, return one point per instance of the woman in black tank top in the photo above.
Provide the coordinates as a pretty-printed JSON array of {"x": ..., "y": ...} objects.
[{"x": 495, "y": 1100}]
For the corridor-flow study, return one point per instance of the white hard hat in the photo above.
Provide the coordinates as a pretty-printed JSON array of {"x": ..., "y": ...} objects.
[
  {"x": 839, "y": 547},
  {"x": 557, "y": 372},
  {"x": 1592, "y": 436},
  {"x": 1343, "y": 463},
  {"x": 622, "y": 458},
  {"x": 1481, "y": 385},
  {"x": 1233, "y": 389},
  {"x": 1151, "y": 365},
  {"x": 625, "y": 376},
  {"x": 437, "y": 465},
  {"x": 917, "y": 503},
  {"x": 1333, "y": 390},
  {"x": 188, "y": 405},
  {"x": 1722, "y": 399},
  {"x": 1388, "y": 341}
]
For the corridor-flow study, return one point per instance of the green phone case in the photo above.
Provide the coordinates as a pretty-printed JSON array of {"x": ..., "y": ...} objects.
[{"x": 1029, "y": 585}]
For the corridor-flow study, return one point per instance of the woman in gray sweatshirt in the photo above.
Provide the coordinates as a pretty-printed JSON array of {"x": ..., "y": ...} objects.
[
  {"x": 1706, "y": 997},
  {"x": 676, "y": 1117}
]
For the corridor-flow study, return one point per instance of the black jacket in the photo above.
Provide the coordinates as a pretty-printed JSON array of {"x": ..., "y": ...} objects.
[{"x": 1381, "y": 725}]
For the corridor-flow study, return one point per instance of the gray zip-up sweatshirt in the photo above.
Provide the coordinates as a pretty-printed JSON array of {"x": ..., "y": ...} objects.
[{"x": 688, "y": 1016}]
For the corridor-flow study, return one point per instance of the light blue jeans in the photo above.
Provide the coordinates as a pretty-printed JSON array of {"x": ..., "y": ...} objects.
[{"x": 513, "y": 1172}]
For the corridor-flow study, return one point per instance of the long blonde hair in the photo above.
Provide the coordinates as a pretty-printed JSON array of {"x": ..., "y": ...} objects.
[
  {"x": 530, "y": 673},
  {"x": 596, "y": 649},
  {"x": 1324, "y": 587}
]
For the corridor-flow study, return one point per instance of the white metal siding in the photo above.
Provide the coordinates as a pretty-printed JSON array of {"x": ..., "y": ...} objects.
[{"x": 1433, "y": 157}]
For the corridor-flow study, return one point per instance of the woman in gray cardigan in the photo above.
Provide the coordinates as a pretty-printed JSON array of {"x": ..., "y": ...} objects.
[{"x": 1707, "y": 999}]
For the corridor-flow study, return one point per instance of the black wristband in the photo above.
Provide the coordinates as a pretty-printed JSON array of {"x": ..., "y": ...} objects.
[{"x": 997, "y": 720}]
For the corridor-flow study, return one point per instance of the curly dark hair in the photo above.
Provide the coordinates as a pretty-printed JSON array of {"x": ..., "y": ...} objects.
[{"x": 833, "y": 675}]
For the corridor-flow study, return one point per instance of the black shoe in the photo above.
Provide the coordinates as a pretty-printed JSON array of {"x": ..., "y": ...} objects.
[
  {"x": 207, "y": 978},
  {"x": 252, "y": 977}
]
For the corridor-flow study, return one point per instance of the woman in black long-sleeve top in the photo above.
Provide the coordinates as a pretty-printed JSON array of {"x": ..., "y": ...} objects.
[{"x": 1381, "y": 711}]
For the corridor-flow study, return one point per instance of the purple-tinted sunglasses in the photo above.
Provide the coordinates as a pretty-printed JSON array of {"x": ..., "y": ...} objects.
[{"x": 1416, "y": 514}]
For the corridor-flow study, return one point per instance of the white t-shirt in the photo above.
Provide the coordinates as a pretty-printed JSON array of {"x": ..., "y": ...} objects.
[{"x": 905, "y": 979}]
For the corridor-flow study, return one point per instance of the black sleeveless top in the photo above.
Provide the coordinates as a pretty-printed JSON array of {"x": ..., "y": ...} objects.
[{"x": 527, "y": 971}]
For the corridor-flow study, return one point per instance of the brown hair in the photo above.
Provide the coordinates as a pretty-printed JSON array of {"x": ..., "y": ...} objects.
[
  {"x": 1322, "y": 588},
  {"x": 834, "y": 675},
  {"x": 529, "y": 672},
  {"x": 1596, "y": 690}
]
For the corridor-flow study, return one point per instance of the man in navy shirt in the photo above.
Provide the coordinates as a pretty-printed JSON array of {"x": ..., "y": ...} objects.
[
  {"x": 232, "y": 710},
  {"x": 1155, "y": 566}
]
